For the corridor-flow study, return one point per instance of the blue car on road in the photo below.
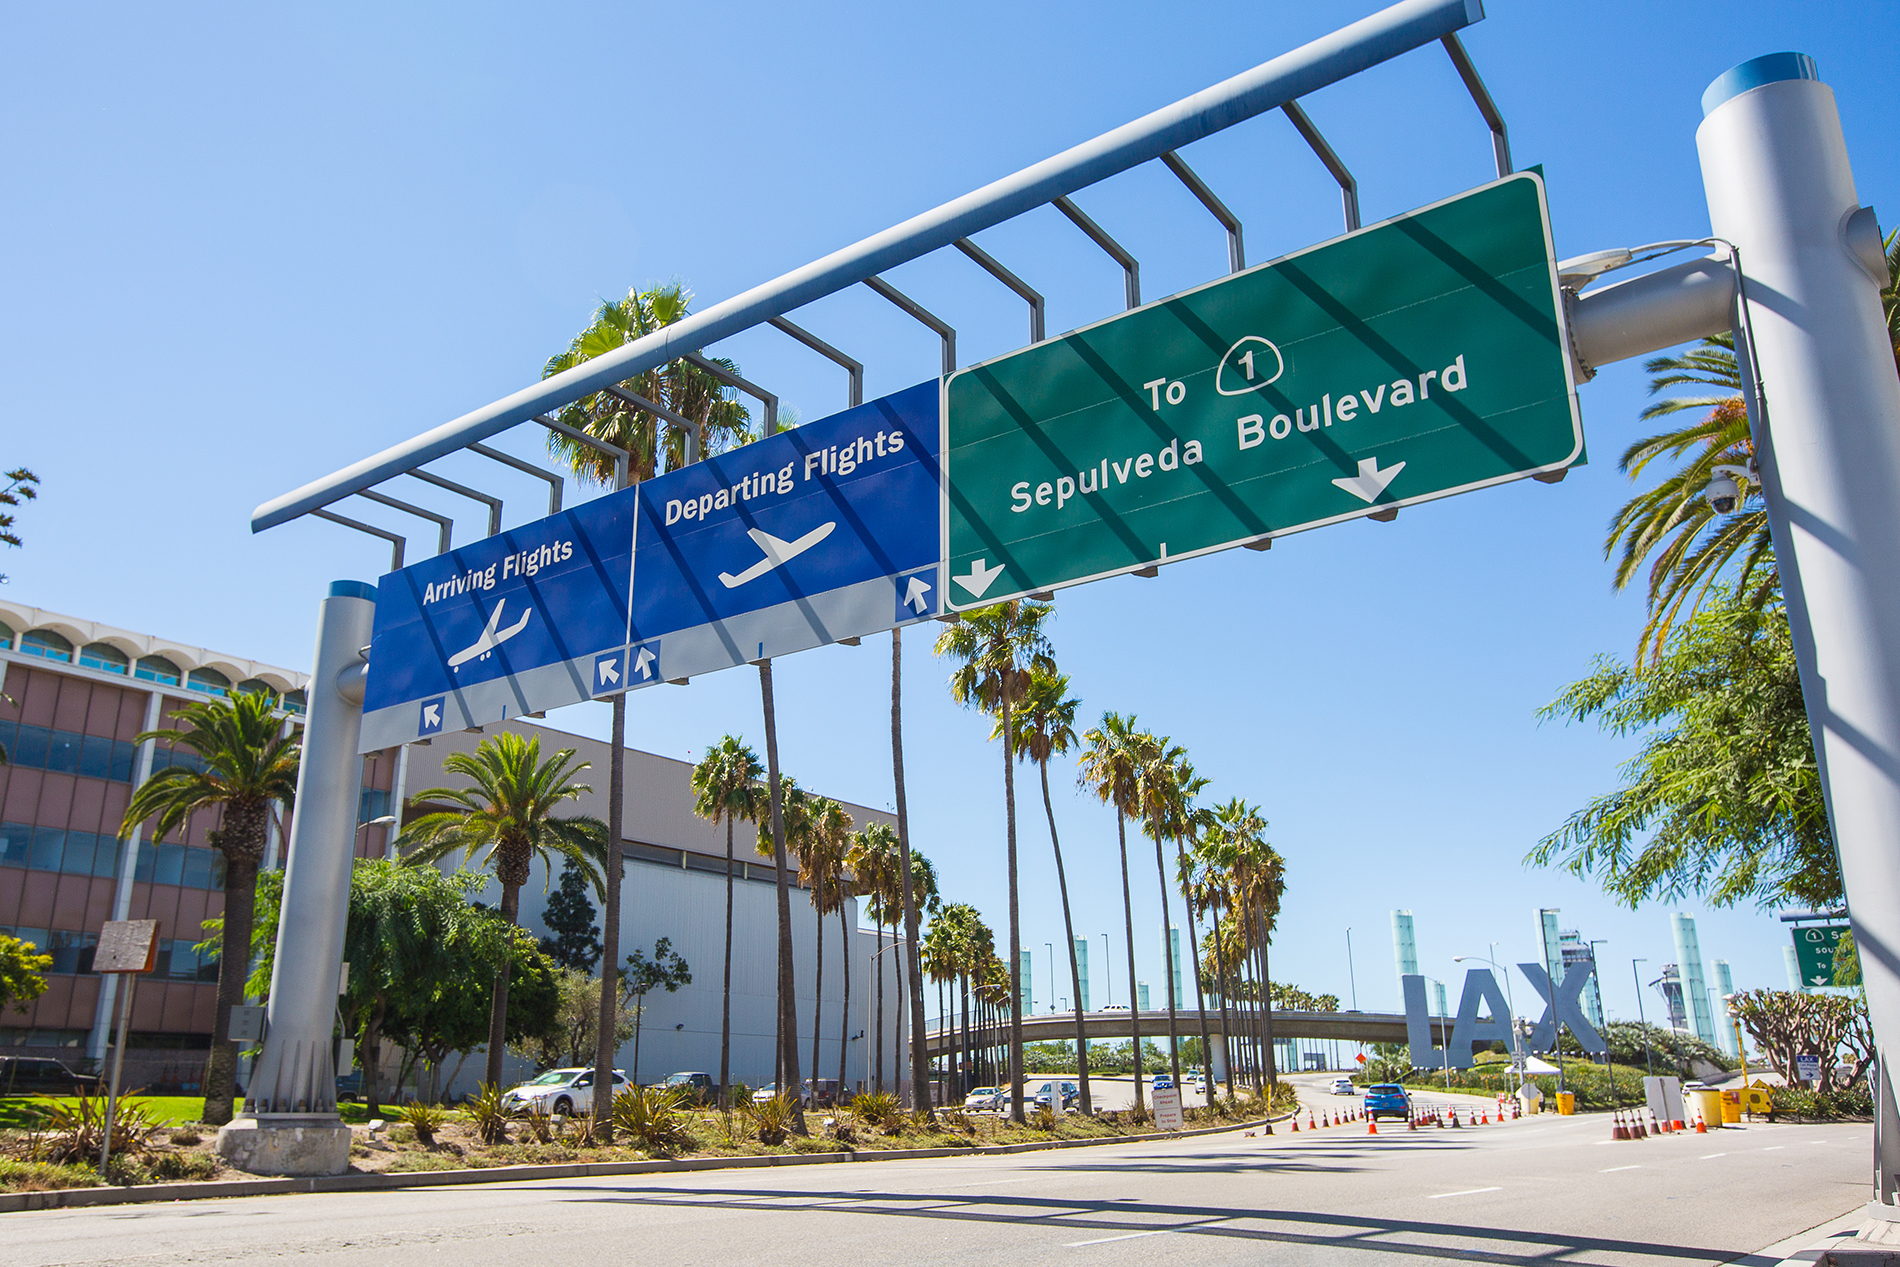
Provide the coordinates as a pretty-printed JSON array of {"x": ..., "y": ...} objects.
[{"x": 1387, "y": 1099}]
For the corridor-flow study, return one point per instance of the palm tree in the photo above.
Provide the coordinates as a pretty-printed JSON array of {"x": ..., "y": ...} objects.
[
  {"x": 938, "y": 958},
  {"x": 1217, "y": 853},
  {"x": 996, "y": 649},
  {"x": 872, "y": 863},
  {"x": 913, "y": 935},
  {"x": 509, "y": 813},
  {"x": 925, "y": 898},
  {"x": 1688, "y": 545},
  {"x": 1045, "y": 728},
  {"x": 782, "y": 834},
  {"x": 1111, "y": 767},
  {"x": 1186, "y": 822},
  {"x": 1260, "y": 885},
  {"x": 1163, "y": 802},
  {"x": 245, "y": 760},
  {"x": 726, "y": 788},
  {"x": 719, "y": 418},
  {"x": 821, "y": 854}
]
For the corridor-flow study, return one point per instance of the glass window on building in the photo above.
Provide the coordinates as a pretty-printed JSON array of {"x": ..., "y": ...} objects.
[
  {"x": 34, "y": 937},
  {"x": 210, "y": 681},
  {"x": 156, "y": 668},
  {"x": 14, "y": 841},
  {"x": 71, "y": 951},
  {"x": 296, "y": 702},
  {"x": 167, "y": 863},
  {"x": 104, "y": 657},
  {"x": 6, "y": 636},
  {"x": 47, "y": 645}
]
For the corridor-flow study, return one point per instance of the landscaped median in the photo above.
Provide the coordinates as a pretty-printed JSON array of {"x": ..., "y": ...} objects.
[{"x": 396, "y": 1156}]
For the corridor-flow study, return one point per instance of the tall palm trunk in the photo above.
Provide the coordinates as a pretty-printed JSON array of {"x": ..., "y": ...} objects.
[
  {"x": 844, "y": 1008},
  {"x": 234, "y": 962},
  {"x": 1167, "y": 968},
  {"x": 877, "y": 1024},
  {"x": 1194, "y": 957},
  {"x": 1128, "y": 916},
  {"x": 1075, "y": 968},
  {"x": 725, "y": 991},
  {"x": 604, "y": 1051},
  {"x": 787, "y": 1055},
  {"x": 913, "y": 963},
  {"x": 1016, "y": 1113},
  {"x": 498, "y": 1009},
  {"x": 818, "y": 996},
  {"x": 969, "y": 1055},
  {"x": 1226, "y": 986},
  {"x": 1266, "y": 1014}
]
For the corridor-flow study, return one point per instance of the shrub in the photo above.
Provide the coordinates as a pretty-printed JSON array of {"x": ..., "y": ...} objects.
[
  {"x": 42, "y": 1176},
  {"x": 655, "y": 1117},
  {"x": 770, "y": 1120},
  {"x": 423, "y": 1119},
  {"x": 71, "y": 1131},
  {"x": 1043, "y": 1118},
  {"x": 1855, "y": 1101},
  {"x": 485, "y": 1110},
  {"x": 956, "y": 1120},
  {"x": 878, "y": 1109},
  {"x": 540, "y": 1126}
]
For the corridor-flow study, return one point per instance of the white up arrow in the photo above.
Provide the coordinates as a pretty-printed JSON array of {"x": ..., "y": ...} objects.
[
  {"x": 914, "y": 594},
  {"x": 642, "y": 662},
  {"x": 979, "y": 578},
  {"x": 1371, "y": 481}
]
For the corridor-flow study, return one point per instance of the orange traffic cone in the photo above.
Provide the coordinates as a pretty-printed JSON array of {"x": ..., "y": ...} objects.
[
  {"x": 1618, "y": 1130},
  {"x": 1372, "y": 1126},
  {"x": 1296, "y": 1123},
  {"x": 1642, "y": 1132},
  {"x": 1701, "y": 1127},
  {"x": 1411, "y": 1122}
]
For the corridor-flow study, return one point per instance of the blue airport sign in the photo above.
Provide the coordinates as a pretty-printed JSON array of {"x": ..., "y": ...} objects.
[
  {"x": 823, "y": 532},
  {"x": 510, "y": 624}
]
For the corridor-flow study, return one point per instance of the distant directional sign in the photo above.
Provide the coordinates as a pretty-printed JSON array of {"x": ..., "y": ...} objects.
[
  {"x": 1814, "y": 946},
  {"x": 824, "y": 532},
  {"x": 509, "y": 625},
  {"x": 1411, "y": 360}
]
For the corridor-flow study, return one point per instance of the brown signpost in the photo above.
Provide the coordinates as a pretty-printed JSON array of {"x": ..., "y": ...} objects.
[{"x": 127, "y": 947}]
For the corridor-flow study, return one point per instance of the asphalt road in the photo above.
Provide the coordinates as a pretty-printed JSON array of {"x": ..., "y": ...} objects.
[{"x": 1530, "y": 1192}]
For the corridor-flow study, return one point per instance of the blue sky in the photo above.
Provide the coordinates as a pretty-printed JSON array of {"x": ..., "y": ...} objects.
[{"x": 246, "y": 247}]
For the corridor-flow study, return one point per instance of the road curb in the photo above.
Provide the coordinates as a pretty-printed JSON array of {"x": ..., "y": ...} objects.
[{"x": 70, "y": 1198}]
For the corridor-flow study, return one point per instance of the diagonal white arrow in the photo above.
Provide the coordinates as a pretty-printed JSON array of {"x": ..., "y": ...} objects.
[
  {"x": 979, "y": 578},
  {"x": 609, "y": 672},
  {"x": 1371, "y": 481},
  {"x": 431, "y": 715},
  {"x": 914, "y": 594}
]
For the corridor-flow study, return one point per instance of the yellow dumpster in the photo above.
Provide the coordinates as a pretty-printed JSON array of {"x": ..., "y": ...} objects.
[
  {"x": 1708, "y": 1106},
  {"x": 1731, "y": 1107},
  {"x": 1566, "y": 1102}
]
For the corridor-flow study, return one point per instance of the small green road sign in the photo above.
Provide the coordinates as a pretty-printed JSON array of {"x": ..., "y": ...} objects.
[
  {"x": 1420, "y": 357},
  {"x": 1814, "y": 951}
]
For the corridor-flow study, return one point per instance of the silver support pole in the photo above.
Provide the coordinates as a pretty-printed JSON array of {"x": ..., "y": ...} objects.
[
  {"x": 1493, "y": 117},
  {"x": 923, "y": 314},
  {"x": 396, "y": 543},
  {"x": 1775, "y": 168},
  {"x": 1348, "y": 186},
  {"x": 854, "y": 369},
  {"x": 445, "y": 526},
  {"x": 664, "y": 414},
  {"x": 730, "y": 379},
  {"x": 1236, "y": 251},
  {"x": 493, "y": 503},
  {"x": 622, "y": 459},
  {"x": 1131, "y": 269},
  {"x": 989, "y": 264},
  {"x": 528, "y": 468},
  {"x": 296, "y": 1075},
  {"x": 122, "y": 886}
]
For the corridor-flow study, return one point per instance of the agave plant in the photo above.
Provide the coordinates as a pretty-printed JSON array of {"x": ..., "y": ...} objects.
[
  {"x": 771, "y": 1120},
  {"x": 423, "y": 1119},
  {"x": 71, "y": 1131},
  {"x": 656, "y": 1118},
  {"x": 489, "y": 1116},
  {"x": 877, "y": 1109}
]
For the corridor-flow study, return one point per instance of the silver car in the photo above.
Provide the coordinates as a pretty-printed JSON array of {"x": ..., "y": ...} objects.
[{"x": 562, "y": 1091}]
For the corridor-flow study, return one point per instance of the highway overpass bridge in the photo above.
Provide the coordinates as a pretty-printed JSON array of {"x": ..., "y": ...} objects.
[{"x": 1114, "y": 1024}]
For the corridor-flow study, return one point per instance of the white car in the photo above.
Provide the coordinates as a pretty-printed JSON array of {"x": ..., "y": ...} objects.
[
  {"x": 1343, "y": 1086},
  {"x": 986, "y": 1100},
  {"x": 562, "y": 1091}
]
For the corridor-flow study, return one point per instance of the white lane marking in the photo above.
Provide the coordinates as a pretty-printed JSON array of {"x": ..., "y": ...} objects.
[
  {"x": 1132, "y": 1236},
  {"x": 1772, "y": 1148},
  {"x": 1613, "y": 1169},
  {"x": 1464, "y": 1193},
  {"x": 1710, "y": 1156}
]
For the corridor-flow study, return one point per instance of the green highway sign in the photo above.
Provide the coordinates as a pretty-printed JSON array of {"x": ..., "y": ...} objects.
[
  {"x": 1411, "y": 360},
  {"x": 1814, "y": 951}
]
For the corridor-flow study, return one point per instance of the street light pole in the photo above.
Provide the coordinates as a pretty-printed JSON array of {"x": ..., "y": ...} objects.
[
  {"x": 1649, "y": 1060},
  {"x": 1609, "y": 1060},
  {"x": 1351, "y": 979},
  {"x": 1051, "y": 948},
  {"x": 1108, "y": 978}
]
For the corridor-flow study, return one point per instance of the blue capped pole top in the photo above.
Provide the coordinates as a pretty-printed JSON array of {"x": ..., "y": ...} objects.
[{"x": 1770, "y": 68}]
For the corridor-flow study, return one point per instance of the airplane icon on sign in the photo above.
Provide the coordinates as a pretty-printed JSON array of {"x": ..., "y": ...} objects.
[
  {"x": 490, "y": 639},
  {"x": 777, "y": 553}
]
